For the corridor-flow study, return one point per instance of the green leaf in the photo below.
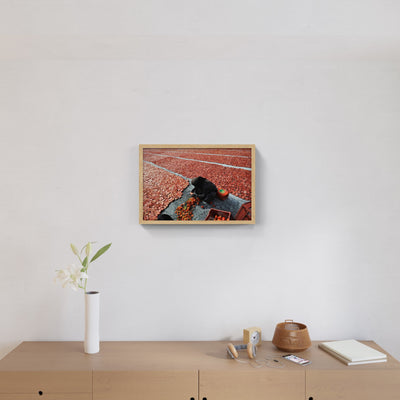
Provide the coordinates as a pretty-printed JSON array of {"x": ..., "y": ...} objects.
[
  {"x": 101, "y": 251},
  {"x": 84, "y": 262}
]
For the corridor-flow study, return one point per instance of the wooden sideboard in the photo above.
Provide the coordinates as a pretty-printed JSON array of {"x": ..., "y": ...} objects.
[{"x": 186, "y": 371}]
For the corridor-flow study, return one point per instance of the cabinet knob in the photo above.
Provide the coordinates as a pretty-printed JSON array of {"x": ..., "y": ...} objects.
[
  {"x": 311, "y": 398},
  {"x": 40, "y": 392}
]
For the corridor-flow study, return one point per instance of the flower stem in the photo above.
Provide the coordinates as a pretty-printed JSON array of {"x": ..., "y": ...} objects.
[{"x": 87, "y": 267}]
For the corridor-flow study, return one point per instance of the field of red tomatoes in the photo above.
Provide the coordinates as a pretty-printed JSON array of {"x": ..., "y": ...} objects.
[
  {"x": 159, "y": 189},
  {"x": 237, "y": 161}
]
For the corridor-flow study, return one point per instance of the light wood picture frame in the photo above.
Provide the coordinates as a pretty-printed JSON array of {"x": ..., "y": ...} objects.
[{"x": 197, "y": 184}]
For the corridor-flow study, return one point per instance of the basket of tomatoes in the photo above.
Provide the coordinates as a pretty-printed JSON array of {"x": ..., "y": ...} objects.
[{"x": 218, "y": 215}]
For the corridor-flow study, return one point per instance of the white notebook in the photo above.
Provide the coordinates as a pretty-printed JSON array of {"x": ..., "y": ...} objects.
[{"x": 352, "y": 352}]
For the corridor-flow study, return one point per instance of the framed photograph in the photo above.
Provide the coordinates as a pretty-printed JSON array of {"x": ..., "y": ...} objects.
[{"x": 197, "y": 184}]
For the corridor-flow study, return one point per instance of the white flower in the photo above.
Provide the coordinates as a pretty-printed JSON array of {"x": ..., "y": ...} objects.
[
  {"x": 71, "y": 276},
  {"x": 76, "y": 277}
]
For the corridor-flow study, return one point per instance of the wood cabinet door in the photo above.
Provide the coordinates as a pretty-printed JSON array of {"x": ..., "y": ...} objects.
[
  {"x": 31, "y": 382},
  {"x": 255, "y": 385},
  {"x": 145, "y": 385},
  {"x": 353, "y": 384},
  {"x": 47, "y": 396}
]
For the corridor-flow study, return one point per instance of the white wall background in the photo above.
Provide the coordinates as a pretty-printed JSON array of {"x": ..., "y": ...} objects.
[{"x": 315, "y": 85}]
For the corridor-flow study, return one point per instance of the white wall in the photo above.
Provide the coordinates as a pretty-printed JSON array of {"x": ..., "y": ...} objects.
[{"x": 315, "y": 85}]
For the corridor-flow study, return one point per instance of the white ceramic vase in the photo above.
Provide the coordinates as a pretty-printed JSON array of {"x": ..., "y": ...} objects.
[{"x": 92, "y": 316}]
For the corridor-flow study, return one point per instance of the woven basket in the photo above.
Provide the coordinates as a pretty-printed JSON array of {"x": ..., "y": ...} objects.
[{"x": 291, "y": 336}]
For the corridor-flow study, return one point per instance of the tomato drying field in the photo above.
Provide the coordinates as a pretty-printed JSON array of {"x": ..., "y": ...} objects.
[{"x": 168, "y": 172}]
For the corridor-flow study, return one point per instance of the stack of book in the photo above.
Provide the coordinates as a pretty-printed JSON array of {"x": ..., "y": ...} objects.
[{"x": 352, "y": 352}]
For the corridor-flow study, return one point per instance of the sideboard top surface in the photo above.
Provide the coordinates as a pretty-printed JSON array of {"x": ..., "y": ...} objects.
[{"x": 126, "y": 356}]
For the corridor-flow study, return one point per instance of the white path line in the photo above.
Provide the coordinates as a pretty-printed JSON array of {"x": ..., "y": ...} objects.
[
  {"x": 222, "y": 155},
  {"x": 165, "y": 169},
  {"x": 205, "y": 154},
  {"x": 209, "y": 162}
]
